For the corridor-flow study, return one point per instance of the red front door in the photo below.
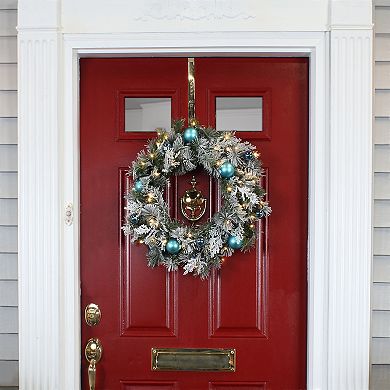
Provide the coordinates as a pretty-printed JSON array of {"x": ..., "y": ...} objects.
[{"x": 256, "y": 304}]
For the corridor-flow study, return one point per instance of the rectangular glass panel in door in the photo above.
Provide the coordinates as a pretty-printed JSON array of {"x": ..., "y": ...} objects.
[
  {"x": 239, "y": 113},
  {"x": 147, "y": 114}
]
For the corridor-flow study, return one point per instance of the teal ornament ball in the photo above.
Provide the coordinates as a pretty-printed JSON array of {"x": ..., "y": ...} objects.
[
  {"x": 234, "y": 242},
  {"x": 190, "y": 134},
  {"x": 172, "y": 246},
  {"x": 138, "y": 186},
  {"x": 199, "y": 242},
  {"x": 248, "y": 155},
  {"x": 134, "y": 219},
  {"x": 259, "y": 213},
  {"x": 226, "y": 170}
]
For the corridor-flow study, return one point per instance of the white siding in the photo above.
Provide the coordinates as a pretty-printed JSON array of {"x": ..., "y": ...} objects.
[
  {"x": 382, "y": 17},
  {"x": 8, "y": 198},
  {"x": 380, "y": 298},
  {"x": 381, "y": 269},
  {"x": 8, "y": 50},
  {"x": 382, "y": 129}
]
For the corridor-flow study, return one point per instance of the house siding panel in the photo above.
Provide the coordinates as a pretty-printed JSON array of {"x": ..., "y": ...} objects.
[
  {"x": 8, "y": 77},
  {"x": 381, "y": 48},
  {"x": 381, "y": 213},
  {"x": 380, "y": 350},
  {"x": 8, "y": 212},
  {"x": 8, "y": 293},
  {"x": 8, "y": 320},
  {"x": 380, "y": 377},
  {"x": 380, "y": 297},
  {"x": 8, "y": 131},
  {"x": 8, "y": 21},
  {"x": 381, "y": 324},
  {"x": 381, "y": 269},
  {"x": 9, "y": 346},
  {"x": 8, "y": 266},
  {"x": 382, "y": 17},
  {"x": 382, "y": 131},
  {"x": 382, "y": 75},
  {"x": 9, "y": 374},
  {"x": 8, "y": 4},
  {"x": 8, "y": 185},
  {"x": 382, "y": 158},
  {"x": 8, "y": 50},
  {"x": 381, "y": 185},
  {"x": 381, "y": 241},
  {"x": 8, "y": 158},
  {"x": 8, "y": 103},
  {"x": 382, "y": 103},
  {"x": 8, "y": 197}
]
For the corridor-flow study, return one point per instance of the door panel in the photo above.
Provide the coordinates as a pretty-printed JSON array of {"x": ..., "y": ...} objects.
[
  {"x": 257, "y": 302},
  {"x": 143, "y": 314}
]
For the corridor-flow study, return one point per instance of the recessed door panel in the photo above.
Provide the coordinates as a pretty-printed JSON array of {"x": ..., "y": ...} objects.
[{"x": 146, "y": 312}]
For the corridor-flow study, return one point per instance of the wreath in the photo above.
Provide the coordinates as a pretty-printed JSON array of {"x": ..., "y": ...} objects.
[{"x": 197, "y": 249}]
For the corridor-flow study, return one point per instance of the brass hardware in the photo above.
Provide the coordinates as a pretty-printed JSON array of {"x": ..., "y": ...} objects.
[
  {"x": 191, "y": 92},
  {"x": 192, "y": 203},
  {"x": 188, "y": 359},
  {"x": 92, "y": 375},
  {"x": 92, "y": 314},
  {"x": 93, "y": 354}
]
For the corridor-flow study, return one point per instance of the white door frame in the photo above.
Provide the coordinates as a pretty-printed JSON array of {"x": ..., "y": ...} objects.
[{"x": 340, "y": 175}]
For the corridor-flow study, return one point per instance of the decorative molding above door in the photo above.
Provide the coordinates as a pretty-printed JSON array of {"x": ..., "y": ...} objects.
[{"x": 180, "y": 10}]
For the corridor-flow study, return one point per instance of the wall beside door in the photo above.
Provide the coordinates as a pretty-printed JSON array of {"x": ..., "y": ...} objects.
[
  {"x": 380, "y": 343},
  {"x": 8, "y": 197}
]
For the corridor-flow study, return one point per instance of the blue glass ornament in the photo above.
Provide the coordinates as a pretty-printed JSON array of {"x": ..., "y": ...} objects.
[
  {"x": 134, "y": 219},
  {"x": 190, "y": 134},
  {"x": 172, "y": 246},
  {"x": 234, "y": 242},
  {"x": 138, "y": 186},
  {"x": 199, "y": 242},
  {"x": 259, "y": 213},
  {"x": 248, "y": 155},
  {"x": 226, "y": 170}
]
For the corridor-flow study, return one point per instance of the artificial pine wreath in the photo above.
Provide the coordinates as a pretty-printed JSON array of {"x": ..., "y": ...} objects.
[{"x": 197, "y": 249}]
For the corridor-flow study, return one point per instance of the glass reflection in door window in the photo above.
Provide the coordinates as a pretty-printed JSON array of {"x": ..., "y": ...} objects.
[
  {"x": 147, "y": 114},
  {"x": 239, "y": 113}
]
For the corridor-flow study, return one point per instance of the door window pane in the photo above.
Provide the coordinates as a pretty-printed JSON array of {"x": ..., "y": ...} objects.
[
  {"x": 147, "y": 114},
  {"x": 239, "y": 113}
]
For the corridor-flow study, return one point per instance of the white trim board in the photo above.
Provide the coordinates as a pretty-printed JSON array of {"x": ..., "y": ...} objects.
[{"x": 339, "y": 247}]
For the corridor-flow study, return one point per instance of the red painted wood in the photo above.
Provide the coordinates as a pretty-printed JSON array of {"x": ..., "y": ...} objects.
[{"x": 257, "y": 302}]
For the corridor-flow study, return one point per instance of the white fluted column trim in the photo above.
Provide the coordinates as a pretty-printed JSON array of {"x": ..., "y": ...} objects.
[
  {"x": 39, "y": 210},
  {"x": 350, "y": 198}
]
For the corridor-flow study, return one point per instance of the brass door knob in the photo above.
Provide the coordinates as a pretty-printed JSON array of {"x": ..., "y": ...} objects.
[{"x": 92, "y": 314}]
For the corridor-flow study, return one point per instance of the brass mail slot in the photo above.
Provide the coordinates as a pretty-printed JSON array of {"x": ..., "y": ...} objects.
[{"x": 188, "y": 359}]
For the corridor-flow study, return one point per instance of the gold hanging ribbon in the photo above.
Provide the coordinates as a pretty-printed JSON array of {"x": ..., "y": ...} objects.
[{"x": 191, "y": 92}]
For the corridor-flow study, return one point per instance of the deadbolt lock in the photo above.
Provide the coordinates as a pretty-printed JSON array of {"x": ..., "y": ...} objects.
[{"x": 92, "y": 314}]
